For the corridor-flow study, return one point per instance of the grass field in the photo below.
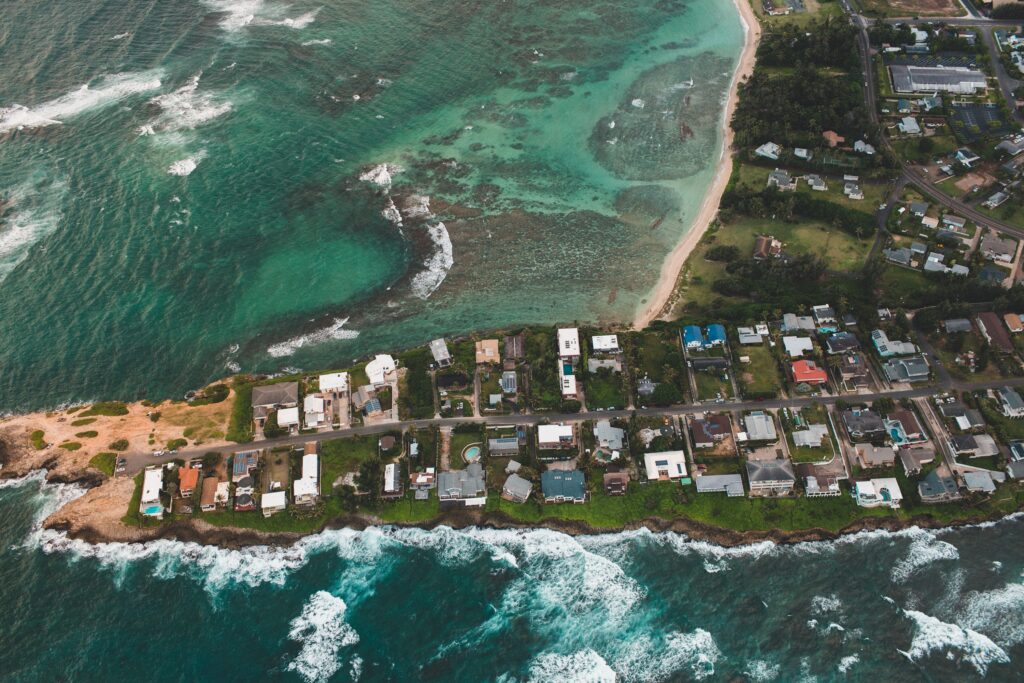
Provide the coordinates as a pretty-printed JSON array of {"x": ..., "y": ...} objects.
[
  {"x": 911, "y": 8},
  {"x": 761, "y": 375},
  {"x": 711, "y": 384},
  {"x": 605, "y": 390},
  {"x": 104, "y": 462},
  {"x": 339, "y": 456}
]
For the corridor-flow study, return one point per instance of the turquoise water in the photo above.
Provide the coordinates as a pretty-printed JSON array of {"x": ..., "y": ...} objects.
[
  {"x": 485, "y": 605},
  {"x": 472, "y": 454},
  {"x": 203, "y": 186}
]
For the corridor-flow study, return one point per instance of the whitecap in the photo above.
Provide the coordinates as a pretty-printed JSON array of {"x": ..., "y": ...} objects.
[
  {"x": 761, "y": 671},
  {"x": 933, "y": 635},
  {"x": 34, "y": 213},
  {"x": 437, "y": 265},
  {"x": 647, "y": 659},
  {"x": 184, "y": 167},
  {"x": 847, "y": 663},
  {"x": 237, "y": 13},
  {"x": 101, "y": 92},
  {"x": 335, "y": 331},
  {"x": 120, "y": 36},
  {"x": 924, "y": 550},
  {"x": 821, "y": 604},
  {"x": 186, "y": 108},
  {"x": 299, "y": 22},
  {"x": 381, "y": 175},
  {"x": 638, "y": 103},
  {"x": 322, "y": 630},
  {"x": 585, "y": 666},
  {"x": 319, "y": 41},
  {"x": 999, "y": 611}
]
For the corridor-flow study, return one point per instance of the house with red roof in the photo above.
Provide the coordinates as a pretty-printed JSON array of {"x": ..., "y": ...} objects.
[{"x": 807, "y": 372}]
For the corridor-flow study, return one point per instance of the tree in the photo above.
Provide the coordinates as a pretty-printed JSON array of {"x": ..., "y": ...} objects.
[{"x": 369, "y": 478}]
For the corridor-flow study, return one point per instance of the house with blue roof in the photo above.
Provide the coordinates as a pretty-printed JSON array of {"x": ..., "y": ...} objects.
[
  {"x": 693, "y": 338},
  {"x": 716, "y": 334}
]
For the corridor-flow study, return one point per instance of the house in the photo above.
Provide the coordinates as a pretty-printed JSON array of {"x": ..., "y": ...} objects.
[
  {"x": 802, "y": 153},
  {"x": 875, "y": 456},
  {"x": 1013, "y": 323},
  {"x": 563, "y": 486},
  {"x": 875, "y": 493},
  {"x": 914, "y": 459},
  {"x": 693, "y": 338},
  {"x": 909, "y": 424},
  {"x": 1010, "y": 402},
  {"x": 616, "y": 483},
  {"x": 910, "y": 369},
  {"x": 486, "y": 351},
  {"x": 770, "y": 476},
  {"x": 515, "y": 346},
  {"x": 934, "y": 488},
  {"x": 973, "y": 445},
  {"x": 555, "y": 436},
  {"x": 608, "y": 437},
  {"x": 506, "y": 445},
  {"x": 996, "y": 200},
  {"x": 812, "y": 437},
  {"x": 908, "y": 126},
  {"x": 795, "y": 323},
  {"x": 709, "y": 430},
  {"x": 569, "y": 386},
  {"x": 334, "y": 384},
  {"x": 760, "y": 426},
  {"x": 266, "y": 398},
  {"x": 781, "y": 180},
  {"x": 379, "y": 368},
  {"x": 188, "y": 479},
  {"x": 568, "y": 343},
  {"x": 935, "y": 79},
  {"x": 807, "y": 372},
  {"x": 903, "y": 106},
  {"x": 288, "y": 418},
  {"x": 919, "y": 209},
  {"x": 392, "y": 482},
  {"x": 665, "y": 465},
  {"x": 853, "y": 369},
  {"x": 208, "y": 495},
  {"x": 423, "y": 481},
  {"x": 954, "y": 222},
  {"x": 769, "y": 150},
  {"x": 994, "y": 332},
  {"x": 816, "y": 484},
  {"x": 887, "y": 347},
  {"x": 312, "y": 410},
  {"x": 994, "y": 247},
  {"x": 832, "y": 138},
  {"x": 716, "y": 334},
  {"x": 900, "y": 256},
  {"x": 508, "y": 382},
  {"x": 964, "y": 417},
  {"x": 967, "y": 157},
  {"x": 797, "y": 346},
  {"x": 929, "y": 222},
  {"x": 862, "y": 147},
  {"x": 516, "y": 489},
  {"x": 853, "y": 191},
  {"x": 272, "y": 502},
  {"x": 729, "y": 484},
  {"x": 716, "y": 363},
  {"x": 748, "y": 337},
  {"x": 1015, "y": 469},
  {"x": 842, "y": 342},
  {"x": 816, "y": 182},
  {"x": 150, "y": 504},
  {"x": 466, "y": 485},
  {"x": 605, "y": 343},
  {"x": 955, "y": 325},
  {"x": 766, "y": 246},
  {"x": 980, "y": 482},
  {"x": 1011, "y": 146},
  {"x": 823, "y": 315},
  {"x": 863, "y": 424},
  {"x": 306, "y": 489},
  {"x": 243, "y": 464},
  {"x": 439, "y": 350}
]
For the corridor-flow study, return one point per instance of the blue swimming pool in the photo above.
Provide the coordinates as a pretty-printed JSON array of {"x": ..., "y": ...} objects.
[
  {"x": 153, "y": 509},
  {"x": 471, "y": 454}
]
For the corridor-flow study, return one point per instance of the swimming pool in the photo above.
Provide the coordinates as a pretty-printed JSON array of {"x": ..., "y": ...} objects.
[
  {"x": 153, "y": 510},
  {"x": 471, "y": 454}
]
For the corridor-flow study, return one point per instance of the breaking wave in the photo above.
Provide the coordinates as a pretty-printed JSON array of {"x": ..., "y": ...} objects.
[
  {"x": 101, "y": 92},
  {"x": 322, "y": 630},
  {"x": 35, "y": 213},
  {"x": 970, "y": 647},
  {"x": 333, "y": 332},
  {"x": 924, "y": 550},
  {"x": 185, "y": 166},
  {"x": 436, "y": 267},
  {"x": 186, "y": 108},
  {"x": 585, "y": 665}
]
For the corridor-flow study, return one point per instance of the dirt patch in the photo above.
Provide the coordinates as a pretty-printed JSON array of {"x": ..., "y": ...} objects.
[{"x": 966, "y": 183}]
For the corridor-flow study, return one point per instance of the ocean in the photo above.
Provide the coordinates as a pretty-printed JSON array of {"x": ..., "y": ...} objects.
[
  {"x": 200, "y": 187},
  {"x": 394, "y": 604}
]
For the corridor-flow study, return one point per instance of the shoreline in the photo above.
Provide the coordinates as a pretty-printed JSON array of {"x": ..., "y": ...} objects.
[{"x": 676, "y": 259}]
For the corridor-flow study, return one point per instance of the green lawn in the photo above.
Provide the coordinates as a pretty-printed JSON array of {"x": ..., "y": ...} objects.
[
  {"x": 339, "y": 456},
  {"x": 604, "y": 389},
  {"x": 760, "y": 377},
  {"x": 104, "y": 462},
  {"x": 710, "y": 384},
  {"x": 459, "y": 442},
  {"x": 901, "y": 287},
  {"x": 911, "y": 149}
]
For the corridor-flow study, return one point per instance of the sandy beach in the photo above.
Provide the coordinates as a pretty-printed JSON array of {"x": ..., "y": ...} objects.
[{"x": 673, "y": 264}]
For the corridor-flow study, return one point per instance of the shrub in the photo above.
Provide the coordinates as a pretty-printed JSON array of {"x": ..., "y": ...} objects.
[
  {"x": 106, "y": 408},
  {"x": 87, "y": 434},
  {"x": 155, "y": 415},
  {"x": 104, "y": 462},
  {"x": 83, "y": 422},
  {"x": 212, "y": 394},
  {"x": 175, "y": 444},
  {"x": 37, "y": 440},
  {"x": 240, "y": 425},
  {"x": 270, "y": 428},
  {"x": 118, "y": 445},
  {"x": 71, "y": 445}
]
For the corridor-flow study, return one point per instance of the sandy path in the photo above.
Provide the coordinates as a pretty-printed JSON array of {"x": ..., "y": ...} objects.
[{"x": 662, "y": 291}]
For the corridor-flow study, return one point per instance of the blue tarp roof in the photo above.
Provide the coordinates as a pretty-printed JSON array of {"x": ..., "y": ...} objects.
[
  {"x": 716, "y": 332},
  {"x": 692, "y": 334}
]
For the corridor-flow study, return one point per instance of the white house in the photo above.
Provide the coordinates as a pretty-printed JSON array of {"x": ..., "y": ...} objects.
[
  {"x": 152, "y": 485},
  {"x": 272, "y": 502},
  {"x": 378, "y": 369},
  {"x": 313, "y": 410},
  {"x": 334, "y": 383},
  {"x": 569, "y": 386},
  {"x": 665, "y": 465},
  {"x": 568, "y": 343},
  {"x": 605, "y": 343},
  {"x": 555, "y": 436},
  {"x": 769, "y": 150},
  {"x": 908, "y": 126},
  {"x": 797, "y": 346},
  {"x": 306, "y": 489},
  {"x": 875, "y": 493},
  {"x": 288, "y": 417}
]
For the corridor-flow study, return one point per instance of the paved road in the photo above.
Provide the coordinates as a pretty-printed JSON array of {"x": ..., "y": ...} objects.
[{"x": 138, "y": 461}]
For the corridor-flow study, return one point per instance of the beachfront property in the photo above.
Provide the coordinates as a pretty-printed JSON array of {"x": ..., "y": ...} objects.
[
  {"x": 380, "y": 370},
  {"x": 615, "y": 482},
  {"x": 769, "y": 150},
  {"x": 267, "y": 398},
  {"x": 693, "y": 338},
  {"x": 934, "y": 79},
  {"x": 977, "y": 481},
  {"x": 391, "y": 482},
  {"x": 439, "y": 350},
  {"x": 486, "y": 352},
  {"x": 936, "y": 488},
  {"x": 760, "y": 426},
  {"x": 516, "y": 489},
  {"x": 817, "y": 484},
  {"x": 208, "y": 494},
  {"x": 244, "y": 490},
  {"x": 464, "y": 487},
  {"x": 273, "y": 502},
  {"x": 665, "y": 465},
  {"x": 569, "y": 344},
  {"x": 770, "y": 477},
  {"x": 563, "y": 486},
  {"x": 188, "y": 480},
  {"x": 781, "y": 180},
  {"x": 605, "y": 343},
  {"x": 914, "y": 459},
  {"x": 557, "y": 436},
  {"x": 334, "y": 389},
  {"x": 1010, "y": 402},
  {"x": 883, "y": 492},
  {"x": 715, "y": 334},
  {"x": 150, "y": 504},
  {"x": 729, "y": 484},
  {"x": 306, "y": 489}
]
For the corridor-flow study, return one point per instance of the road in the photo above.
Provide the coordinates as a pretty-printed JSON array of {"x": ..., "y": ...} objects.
[{"x": 136, "y": 462}]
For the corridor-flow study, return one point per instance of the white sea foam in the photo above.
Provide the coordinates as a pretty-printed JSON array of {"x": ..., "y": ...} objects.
[
  {"x": 437, "y": 265},
  {"x": 184, "y": 167},
  {"x": 847, "y": 663},
  {"x": 924, "y": 550},
  {"x": 417, "y": 206},
  {"x": 761, "y": 671},
  {"x": 187, "y": 108},
  {"x": 322, "y": 630},
  {"x": 585, "y": 666},
  {"x": 34, "y": 214},
  {"x": 999, "y": 612},
  {"x": 960, "y": 644},
  {"x": 49, "y": 499},
  {"x": 301, "y": 21},
  {"x": 101, "y": 92},
  {"x": 638, "y": 103},
  {"x": 120, "y": 36},
  {"x": 319, "y": 41},
  {"x": 237, "y": 13},
  {"x": 335, "y": 331},
  {"x": 381, "y": 175},
  {"x": 821, "y": 604},
  {"x": 646, "y": 659}
]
